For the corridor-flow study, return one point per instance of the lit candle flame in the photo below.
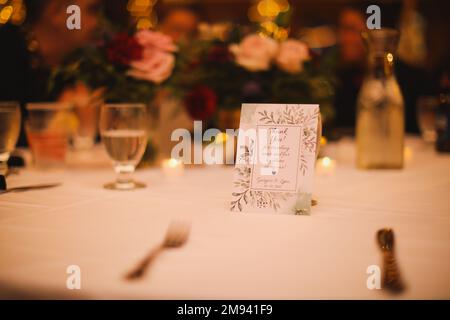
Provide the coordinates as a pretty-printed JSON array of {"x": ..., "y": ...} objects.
[
  {"x": 326, "y": 162},
  {"x": 173, "y": 163},
  {"x": 221, "y": 138}
]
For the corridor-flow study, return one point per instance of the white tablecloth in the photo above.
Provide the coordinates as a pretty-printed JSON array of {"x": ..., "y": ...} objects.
[{"x": 228, "y": 255}]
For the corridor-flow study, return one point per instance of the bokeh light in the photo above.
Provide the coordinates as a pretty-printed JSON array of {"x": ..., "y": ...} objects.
[
  {"x": 268, "y": 8},
  {"x": 143, "y": 13},
  {"x": 266, "y": 14},
  {"x": 12, "y": 11}
]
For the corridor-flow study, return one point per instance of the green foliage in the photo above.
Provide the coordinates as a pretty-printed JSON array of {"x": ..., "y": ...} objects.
[
  {"x": 230, "y": 81},
  {"x": 91, "y": 66}
]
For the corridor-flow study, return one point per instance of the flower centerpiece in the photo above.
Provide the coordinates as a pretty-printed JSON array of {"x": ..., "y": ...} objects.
[
  {"x": 129, "y": 67},
  {"x": 221, "y": 73},
  {"x": 125, "y": 67}
]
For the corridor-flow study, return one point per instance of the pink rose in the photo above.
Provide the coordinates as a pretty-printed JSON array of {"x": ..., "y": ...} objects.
[
  {"x": 158, "y": 61},
  {"x": 291, "y": 56},
  {"x": 255, "y": 53},
  {"x": 155, "y": 40},
  {"x": 156, "y": 67}
]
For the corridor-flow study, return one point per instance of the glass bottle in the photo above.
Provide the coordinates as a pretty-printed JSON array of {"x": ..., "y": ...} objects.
[{"x": 380, "y": 107}]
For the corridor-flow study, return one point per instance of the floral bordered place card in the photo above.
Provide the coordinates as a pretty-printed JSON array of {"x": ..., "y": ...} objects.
[{"x": 275, "y": 159}]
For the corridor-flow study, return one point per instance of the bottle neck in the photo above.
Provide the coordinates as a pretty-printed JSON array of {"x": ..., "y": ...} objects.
[{"x": 381, "y": 65}]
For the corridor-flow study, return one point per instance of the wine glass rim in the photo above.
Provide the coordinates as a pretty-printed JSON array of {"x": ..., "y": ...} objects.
[
  {"x": 48, "y": 106},
  {"x": 124, "y": 105}
]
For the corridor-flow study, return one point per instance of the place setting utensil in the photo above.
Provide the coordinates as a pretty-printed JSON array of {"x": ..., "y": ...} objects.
[
  {"x": 30, "y": 187},
  {"x": 176, "y": 236},
  {"x": 391, "y": 279}
]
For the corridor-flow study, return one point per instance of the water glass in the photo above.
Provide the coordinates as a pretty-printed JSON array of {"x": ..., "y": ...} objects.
[
  {"x": 123, "y": 128},
  {"x": 427, "y": 107}
]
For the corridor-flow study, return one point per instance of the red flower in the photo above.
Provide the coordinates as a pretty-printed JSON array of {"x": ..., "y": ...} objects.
[
  {"x": 201, "y": 103},
  {"x": 219, "y": 54},
  {"x": 123, "y": 49}
]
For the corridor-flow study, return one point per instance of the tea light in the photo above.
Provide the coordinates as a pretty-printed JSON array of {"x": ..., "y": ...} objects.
[
  {"x": 407, "y": 154},
  {"x": 326, "y": 166},
  {"x": 221, "y": 138},
  {"x": 225, "y": 144},
  {"x": 172, "y": 168}
]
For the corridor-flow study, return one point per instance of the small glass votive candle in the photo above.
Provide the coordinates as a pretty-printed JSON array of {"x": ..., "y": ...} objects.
[
  {"x": 325, "y": 166},
  {"x": 48, "y": 129},
  {"x": 172, "y": 168}
]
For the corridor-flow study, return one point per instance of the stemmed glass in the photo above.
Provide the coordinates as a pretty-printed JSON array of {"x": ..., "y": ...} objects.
[
  {"x": 9, "y": 132},
  {"x": 123, "y": 128},
  {"x": 427, "y": 107}
]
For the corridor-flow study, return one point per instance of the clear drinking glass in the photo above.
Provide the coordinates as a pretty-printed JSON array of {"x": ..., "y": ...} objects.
[
  {"x": 123, "y": 128},
  {"x": 427, "y": 107},
  {"x": 9, "y": 132},
  {"x": 49, "y": 127}
]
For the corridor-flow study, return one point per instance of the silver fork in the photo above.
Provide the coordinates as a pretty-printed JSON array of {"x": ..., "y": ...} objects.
[{"x": 176, "y": 236}]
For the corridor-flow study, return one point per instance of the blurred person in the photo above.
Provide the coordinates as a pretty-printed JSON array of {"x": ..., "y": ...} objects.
[
  {"x": 351, "y": 65},
  {"x": 413, "y": 79},
  {"x": 47, "y": 27},
  {"x": 180, "y": 23},
  {"x": 31, "y": 51},
  {"x": 411, "y": 47},
  {"x": 351, "y": 46}
]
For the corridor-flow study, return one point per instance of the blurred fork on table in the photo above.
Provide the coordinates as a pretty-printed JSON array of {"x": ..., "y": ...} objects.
[{"x": 176, "y": 236}]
